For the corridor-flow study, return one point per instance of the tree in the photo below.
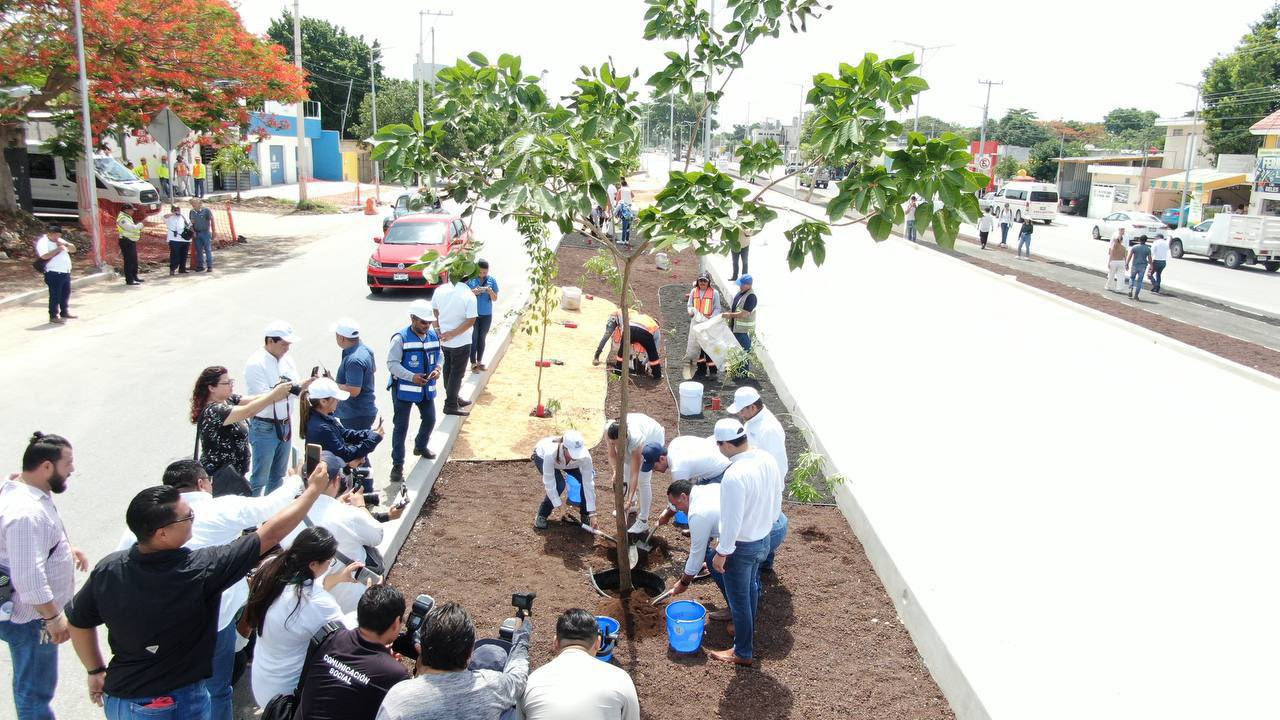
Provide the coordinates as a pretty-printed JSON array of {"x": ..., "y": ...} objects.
[
  {"x": 1007, "y": 167},
  {"x": 1019, "y": 127},
  {"x": 1122, "y": 120},
  {"x": 1042, "y": 164},
  {"x": 398, "y": 103},
  {"x": 554, "y": 166},
  {"x": 1239, "y": 88},
  {"x": 232, "y": 161},
  {"x": 658, "y": 113},
  {"x": 336, "y": 64}
]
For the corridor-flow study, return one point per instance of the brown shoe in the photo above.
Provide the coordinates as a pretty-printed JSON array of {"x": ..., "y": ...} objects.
[
  {"x": 57, "y": 320},
  {"x": 721, "y": 615},
  {"x": 728, "y": 656},
  {"x": 69, "y": 316}
]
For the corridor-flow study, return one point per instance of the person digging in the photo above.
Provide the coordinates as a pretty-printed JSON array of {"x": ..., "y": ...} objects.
[
  {"x": 556, "y": 457},
  {"x": 646, "y": 337}
]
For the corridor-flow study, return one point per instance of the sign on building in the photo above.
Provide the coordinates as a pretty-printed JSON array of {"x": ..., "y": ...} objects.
[{"x": 1267, "y": 172}]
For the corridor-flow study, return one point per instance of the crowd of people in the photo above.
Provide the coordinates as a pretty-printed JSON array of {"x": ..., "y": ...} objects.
[{"x": 188, "y": 178}]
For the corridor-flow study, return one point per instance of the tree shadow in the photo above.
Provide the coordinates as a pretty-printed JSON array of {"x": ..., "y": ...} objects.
[{"x": 753, "y": 694}]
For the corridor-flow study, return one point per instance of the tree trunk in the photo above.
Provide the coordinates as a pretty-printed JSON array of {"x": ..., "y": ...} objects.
[
  {"x": 542, "y": 352},
  {"x": 624, "y": 543},
  {"x": 8, "y": 194}
]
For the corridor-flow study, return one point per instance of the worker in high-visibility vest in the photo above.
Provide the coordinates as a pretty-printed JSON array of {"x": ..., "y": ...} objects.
[
  {"x": 646, "y": 338},
  {"x": 197, "y": 174},
  {"x": 704, "y": 303},
  {"x": 162, "y": 174},
  {"x": 141, "y": 170},
  {"x": 130, "y": 232}
]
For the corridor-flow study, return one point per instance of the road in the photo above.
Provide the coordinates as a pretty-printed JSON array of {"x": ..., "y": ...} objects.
[{"x": 117, "y": 381}]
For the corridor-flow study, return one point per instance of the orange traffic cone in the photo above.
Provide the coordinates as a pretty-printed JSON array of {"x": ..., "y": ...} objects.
[{"x": 368, "y": 207}]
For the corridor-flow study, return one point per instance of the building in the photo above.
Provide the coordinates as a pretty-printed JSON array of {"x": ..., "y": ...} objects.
[
  {"x": 1109, "y": 183},
  {"x": 1182, "y": 136},
  {"x": 1266, "y": 174},
  {"x": 276, "y": 148}
]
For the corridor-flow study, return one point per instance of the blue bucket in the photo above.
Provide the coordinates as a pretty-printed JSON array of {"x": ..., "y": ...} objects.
[
  {"x": 608, "y": 626},
  {"x": 681, "y": 520},
  {"x": 574, "y": 489},
  {"x": 686, "y": 620}
]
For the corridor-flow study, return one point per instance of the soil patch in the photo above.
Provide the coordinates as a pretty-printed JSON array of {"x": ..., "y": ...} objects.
[
  {"x": 829, "y": 642},
  {"x": 322, "y": 206}
]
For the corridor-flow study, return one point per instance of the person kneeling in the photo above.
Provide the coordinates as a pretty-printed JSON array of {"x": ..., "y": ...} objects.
[{"x": 575, "y": 684}]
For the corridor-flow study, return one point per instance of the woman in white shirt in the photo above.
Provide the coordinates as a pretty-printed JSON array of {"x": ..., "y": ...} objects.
[
  {"x": 287, "y": 606},
  {"x": 176, "y": 223}
]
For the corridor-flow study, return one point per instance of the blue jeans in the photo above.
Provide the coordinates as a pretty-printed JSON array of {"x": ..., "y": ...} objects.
[
  {"x": 740, "y": 584},
  {"x": 400, "y": 426},
  {"x": 544, "y": 510},
  {"x": 481, "y": 331},
  {"x": 59, "y": 293},
  {"x": 1004, "y": 233},
  {"x": 911, "y": 230},
  {"x": 204, "y": 250},
  {"x": 270, "y": 456},
  {"x": 199, "y": 187},
  {"x": 219, "y": 684},
  {"x": 1157, "y": 273},
  {"x": 776, "y": 536},
  {"x": 189, "y": 703},
  {"x": 35, "y": 669},
  {"x": 1024, "y": 240},
  {"x": 744, "y": 339},
  {"x": 1136, "y": 277},
  {"x": 626, "y": 231}
]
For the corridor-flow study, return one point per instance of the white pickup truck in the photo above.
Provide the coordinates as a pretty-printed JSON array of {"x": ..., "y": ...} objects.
[{"x": 1234, "y": 239}]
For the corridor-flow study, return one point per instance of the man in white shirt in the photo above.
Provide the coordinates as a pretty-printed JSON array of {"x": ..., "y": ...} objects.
[
  {"x": 456, "y": 311},
  {"x": 575, "y": 685},
  {"x": 701, "y": 503},
  {"x": 764, "y": 432},
  {"x": 642, "y": 431},
  {"x": 688, "y": 457},
  {"x": 1159, "y": 259},
  {"x": 54, "y": 251},
  {"x": 271, "y": 431},
  {"x": 555, "y": 457},
  {"x": 750, "y": 502}
]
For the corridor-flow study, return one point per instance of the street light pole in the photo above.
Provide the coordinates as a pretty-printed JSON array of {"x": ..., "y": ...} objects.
[
  {"x": 373, "y": 90},
  {"x": 301, "y": 119},
  {"x": 1191, "y": 154},
  {"x": 89, "y": 174},
  {"x": 982, "y": 133},
  {"x": 915, "y": 127}
]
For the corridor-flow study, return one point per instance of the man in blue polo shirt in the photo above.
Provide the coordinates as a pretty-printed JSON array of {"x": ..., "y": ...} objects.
[
  {"x": 486, "y": 292},
  {"x": 355, "y": 375}
]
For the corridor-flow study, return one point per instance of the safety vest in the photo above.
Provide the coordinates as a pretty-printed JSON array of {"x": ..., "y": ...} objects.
[
  {"x": 637, "y": 320},
  {"x": 197, "y": 171},
  {"x": 419, "y": 357},
  {"x": 748, "y": 323},
  {"x": 703, "y": 303},
  {"x": 142, "y": 172},
  {"x": 162, "y": 172},
  {"x": 129, "y": 230}
]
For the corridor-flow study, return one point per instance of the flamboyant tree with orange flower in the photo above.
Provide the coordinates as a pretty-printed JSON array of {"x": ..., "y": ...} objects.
[{"x": 194, "y": 56}]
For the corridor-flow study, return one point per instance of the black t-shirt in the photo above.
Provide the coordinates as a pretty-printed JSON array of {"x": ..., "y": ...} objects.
[
  {"x": 161, "y": 612},
  {"x": 347, "y": 679}
]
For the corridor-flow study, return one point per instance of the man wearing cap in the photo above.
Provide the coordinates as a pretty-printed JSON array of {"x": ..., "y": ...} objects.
[
  {"x": 555, "y": 457},
  {"x": 355, "y": 377},
  {"x": 130, "y": 231},
  {"x": 55, "y": 253},
  {"x": 414, "y": 364},
  {"x": 642, "y": 431},
  {"x": 704, "y": 301},
  {"x": 764, "y": 432},
  {"x": 271, "y": 431},
  {"x": 750, "y": 502},
  {"x": 456, "y": 310},
  {"x": 326, "y": 430},
  {"x": 742, "y": 313}
]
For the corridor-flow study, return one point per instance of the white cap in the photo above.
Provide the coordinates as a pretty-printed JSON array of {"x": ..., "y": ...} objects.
[
  {"x": 574, "y": 443},
  {"x": 280, "y": 329},
  {"x": 726, "y": 429},
  {"x": 347, "y": 328},
  {"x": 421, "y": 309},
  {"x": 744, "y": 397},
  {"x": 325, "y": 388}
]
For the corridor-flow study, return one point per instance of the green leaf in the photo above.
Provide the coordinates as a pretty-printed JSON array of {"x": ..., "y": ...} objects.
[
  {"x": 879, "y": 227},
  {"x": 477, "y": 58}
]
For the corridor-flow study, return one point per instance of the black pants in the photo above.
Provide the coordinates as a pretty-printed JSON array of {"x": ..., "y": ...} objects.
[
  {"x": 479, "y": 332},
  {"x": 59, "y": 293},
  {"x": 646, "y": 340},
  {"x": 544, "y": 510},
  {"x": 178, "y": 256},
  {"x": 129, "y": 252},
  {"x": 455, "y": 367},
  {"x": 982, "y": 237},
  {"x": 743, "y": 255}
]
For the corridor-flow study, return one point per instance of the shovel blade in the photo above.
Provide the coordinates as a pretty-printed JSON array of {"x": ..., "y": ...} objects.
[{"x": 633, "y": 555}]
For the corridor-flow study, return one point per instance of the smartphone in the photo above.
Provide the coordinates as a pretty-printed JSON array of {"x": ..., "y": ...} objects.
[
  {"x": 312, "y": 459},
  {"x": 402, "y": 497}
]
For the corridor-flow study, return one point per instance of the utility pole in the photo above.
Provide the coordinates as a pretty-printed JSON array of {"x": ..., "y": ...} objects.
[
  {"x": 89, "y": 175},
  {"x": 915, "y": 127},
  {"x": 300, "y": 121},
  {"x": 982, "y": 132},
  {"x": 706, "y": 130},
  {"x": 421, "y": 15},
  {"x": 373, "y": 90},
  {"x": 343, "y": 127},
  {"x": 1185, "y": 212}
]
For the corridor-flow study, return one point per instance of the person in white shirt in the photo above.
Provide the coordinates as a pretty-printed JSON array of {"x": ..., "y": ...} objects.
[
  {"x": 555, "y": 457},
  {"x": 1159, "y": 259},
  {"x": 271, "y": 431},
  {"x": 55, "y": 253},
  {"x": 575, "y": 685},
  {"x": 289, "y": 601},
  {"x": 1006, "y": 219},
  {"x": 764, "y": 432},
  {"x": 175, "y": 224},
  {"x": 701, "y": 503},
  {"x": 750, "y": 502},
  {"x": 456, "y": 311},
  {"x": 1117, "y": 254},
  {"x": 219, "y": 521},
  {"x": 642, "y": 430},
  {"x": 986, "y": 224},
  {"x": 688, "y": 457}
]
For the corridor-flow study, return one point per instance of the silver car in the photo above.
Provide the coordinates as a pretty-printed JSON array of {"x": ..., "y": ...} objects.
[{"x": 1134, "y": 224}]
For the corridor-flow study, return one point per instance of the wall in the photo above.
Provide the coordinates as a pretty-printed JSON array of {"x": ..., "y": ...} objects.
[{"x": 326, "y": 158}]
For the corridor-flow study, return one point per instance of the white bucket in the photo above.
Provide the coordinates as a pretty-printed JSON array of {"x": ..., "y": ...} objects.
[
  {"x": 690, "y": 398},
  {"x": 571, "y": 298},
  {"x": 662, "y": 262}
]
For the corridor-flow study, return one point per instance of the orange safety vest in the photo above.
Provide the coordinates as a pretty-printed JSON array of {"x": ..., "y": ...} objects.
[
  {"x": 702, "y": 303},
  {"x": 638, "y": 319},
  {"x": 198, "y": 171}
]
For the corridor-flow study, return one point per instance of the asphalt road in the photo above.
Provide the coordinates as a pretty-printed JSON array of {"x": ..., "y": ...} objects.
[{"x": 117, "y": 381}]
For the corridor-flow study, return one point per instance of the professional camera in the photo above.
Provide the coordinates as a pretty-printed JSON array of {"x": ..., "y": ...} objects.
[
  {"x": 523, "y": 603},
  {"x": 406, "y": 643},
  {"x": 355, "y": 478}
]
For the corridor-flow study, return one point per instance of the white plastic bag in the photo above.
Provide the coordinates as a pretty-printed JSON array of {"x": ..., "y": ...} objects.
[{"x": 715, "y": 338}]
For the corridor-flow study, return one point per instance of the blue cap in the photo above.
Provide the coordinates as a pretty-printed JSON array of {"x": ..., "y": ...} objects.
[
  {"x": 651, "y": 453},
  {"x": 744, "y": 280}
]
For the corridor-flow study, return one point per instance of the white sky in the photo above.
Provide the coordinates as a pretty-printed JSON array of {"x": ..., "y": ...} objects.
[{"x": 1071, "y": 61}]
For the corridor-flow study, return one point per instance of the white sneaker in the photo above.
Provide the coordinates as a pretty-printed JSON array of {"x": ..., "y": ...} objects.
[{"x": 639, "y": 527}]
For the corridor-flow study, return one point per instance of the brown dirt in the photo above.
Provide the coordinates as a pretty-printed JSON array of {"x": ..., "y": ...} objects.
[{"x": 828, "y": 639}]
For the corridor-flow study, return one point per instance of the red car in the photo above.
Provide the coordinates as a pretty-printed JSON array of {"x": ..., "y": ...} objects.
[{"x": 408, "y": 239}]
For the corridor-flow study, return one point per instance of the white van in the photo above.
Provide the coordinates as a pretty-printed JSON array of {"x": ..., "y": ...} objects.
[
  {"x": 1038, "y": 201},
  {"x": 54, "y": 189}
]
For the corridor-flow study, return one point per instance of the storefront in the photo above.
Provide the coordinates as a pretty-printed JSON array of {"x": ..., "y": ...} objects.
[{"x": 1208, "y": 188}]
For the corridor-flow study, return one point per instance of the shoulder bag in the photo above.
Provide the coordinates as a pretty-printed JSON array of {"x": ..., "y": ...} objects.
[
  {"x": 187, "y": 233},
  {"x": 285, "y": 707},
  {"x": 373, "y": 560},
  {"x": 226, "y": 480}
]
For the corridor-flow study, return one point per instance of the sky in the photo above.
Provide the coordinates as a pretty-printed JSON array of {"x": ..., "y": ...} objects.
[{"x": 1073, "y": 64}]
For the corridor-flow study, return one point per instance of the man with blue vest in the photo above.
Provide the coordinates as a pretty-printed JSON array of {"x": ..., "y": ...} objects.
[{"x": 414, "y": 363}]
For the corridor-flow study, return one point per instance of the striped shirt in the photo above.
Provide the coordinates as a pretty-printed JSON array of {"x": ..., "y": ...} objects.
[{"x": 34, "y": 546}]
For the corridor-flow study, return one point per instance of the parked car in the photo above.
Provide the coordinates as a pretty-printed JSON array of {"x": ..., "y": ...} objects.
[
  {"x": 1134, "y": 224},
  {"x": 407, "y": 240},
  {"x": 1234, "y": 239},
  {"x": 818, "y": 177},
  {"x": 1073, "y": 206},
  {"x": 1173, "y": 216},
  {"x": 1038, "y": 201},
  {"x": 401, "y": 208}
]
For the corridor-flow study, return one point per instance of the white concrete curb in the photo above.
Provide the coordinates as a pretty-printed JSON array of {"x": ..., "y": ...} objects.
[{"x": 32, "y": 295}]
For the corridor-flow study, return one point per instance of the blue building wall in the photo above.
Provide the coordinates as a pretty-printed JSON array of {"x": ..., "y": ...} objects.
[{"x": 326, "y": 156}]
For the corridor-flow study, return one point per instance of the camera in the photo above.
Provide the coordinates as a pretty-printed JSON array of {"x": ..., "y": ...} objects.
[
  {"x": 406, "y": 643},
  {"x": 523, "y": 603}
]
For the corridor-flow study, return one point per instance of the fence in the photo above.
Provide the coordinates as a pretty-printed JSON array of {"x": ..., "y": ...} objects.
[{"x": 153, "y": 246}]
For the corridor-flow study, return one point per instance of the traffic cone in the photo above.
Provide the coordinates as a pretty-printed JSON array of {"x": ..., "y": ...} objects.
[{"x": 368, "y": 207}]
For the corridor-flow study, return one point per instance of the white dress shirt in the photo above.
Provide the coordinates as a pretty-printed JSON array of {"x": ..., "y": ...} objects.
[
  {"x": 554, "y": 458},
  {"x": 695, "y": 458},
  {"x": 750, "y": 499},
  {"x": 455, "y": 307},
  {"x": 704, "y": 524},
  {"x": 175, "y": 224},
  {"x": 261, "y": 373},
  {"x": 642, "y": 430},
  {"x": 58, "y": 263},
  {"x": 1160, "y": 249},
  {"x": 282, "y": 646},
  {"x": 221, "y": 520},
  {"x": 764, "y": 432},
  {"x": 353, "y": 528},
  {"x": 576, "y": 686}
]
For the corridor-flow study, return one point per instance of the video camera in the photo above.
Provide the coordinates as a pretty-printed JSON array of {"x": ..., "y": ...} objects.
[
  {"x": 523, "y": 603},
  {"x": 410, "y": 637}
]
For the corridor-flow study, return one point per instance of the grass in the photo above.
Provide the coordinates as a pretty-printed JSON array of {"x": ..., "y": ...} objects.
[{"x": 317, "y": 207}]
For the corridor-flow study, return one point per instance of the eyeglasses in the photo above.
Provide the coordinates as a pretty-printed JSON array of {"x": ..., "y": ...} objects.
[
  {"x": 227, "y": 382},
  {"x": 190, "y": 517}
]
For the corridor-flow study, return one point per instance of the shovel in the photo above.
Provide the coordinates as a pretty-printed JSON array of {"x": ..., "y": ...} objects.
[
  {"x": 665, "y": 594},
  {"x": 633, "y": 554},
  {"x": 644, "y": 544}
]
